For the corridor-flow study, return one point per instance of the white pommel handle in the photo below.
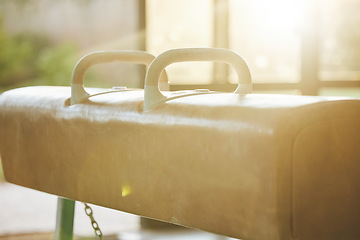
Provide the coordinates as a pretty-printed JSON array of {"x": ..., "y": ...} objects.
[
  {"x": 153, "y": 97},
  {"x": 78, "y": 93}
]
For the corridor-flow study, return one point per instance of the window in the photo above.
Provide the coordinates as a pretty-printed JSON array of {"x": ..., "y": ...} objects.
[
  {"x": 177, "y": 24},
  {"x": 301, "y": 47}
]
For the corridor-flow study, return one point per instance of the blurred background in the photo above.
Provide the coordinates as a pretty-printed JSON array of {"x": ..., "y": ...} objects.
[
  {"x": 308, "y": 47},
  {"x": 300, "y": 47}
]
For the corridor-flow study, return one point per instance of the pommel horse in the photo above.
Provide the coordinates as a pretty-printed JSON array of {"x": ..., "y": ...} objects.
[{"x": 248, "y": 166}]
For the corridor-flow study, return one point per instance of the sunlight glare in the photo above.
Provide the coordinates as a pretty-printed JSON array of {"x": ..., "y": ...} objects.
[
  {"x": 279, "y": 15},
  {"x": 125, "y": 190}
]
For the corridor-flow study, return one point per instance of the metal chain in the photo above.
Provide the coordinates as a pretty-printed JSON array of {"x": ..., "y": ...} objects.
[{"x": 94, "y": 224}]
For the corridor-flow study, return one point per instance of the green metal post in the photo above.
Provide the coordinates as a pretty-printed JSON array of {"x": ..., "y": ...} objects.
[{"x": 64, "y": 219}]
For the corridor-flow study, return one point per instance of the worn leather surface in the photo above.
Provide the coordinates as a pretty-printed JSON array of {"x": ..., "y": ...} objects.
[{"x": 248, "y": 166}]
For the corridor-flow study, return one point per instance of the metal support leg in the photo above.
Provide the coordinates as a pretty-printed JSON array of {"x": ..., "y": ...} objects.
[{"x": 64, "y": 219}]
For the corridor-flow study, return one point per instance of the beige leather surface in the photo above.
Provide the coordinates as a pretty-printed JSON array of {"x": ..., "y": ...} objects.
[
  {"x": 263, "y": 167},
  {"x": 326, "y": 170}
]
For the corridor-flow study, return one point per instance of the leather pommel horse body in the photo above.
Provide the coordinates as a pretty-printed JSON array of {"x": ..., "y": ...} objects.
[{"x": 249, "y": 166}]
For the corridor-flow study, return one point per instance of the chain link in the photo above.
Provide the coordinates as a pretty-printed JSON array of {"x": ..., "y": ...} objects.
[{"x": 94, "y": 224}]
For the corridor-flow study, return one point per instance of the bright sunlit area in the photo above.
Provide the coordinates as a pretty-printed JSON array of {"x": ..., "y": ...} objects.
[
  {"x": 291, "y": 47},
  {"x": 268, "y": 34}
]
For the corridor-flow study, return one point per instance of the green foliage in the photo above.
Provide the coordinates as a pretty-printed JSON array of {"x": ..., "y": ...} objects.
[
  {"x": 55, "y": 65},
  {"x": 30, "y": 59}
]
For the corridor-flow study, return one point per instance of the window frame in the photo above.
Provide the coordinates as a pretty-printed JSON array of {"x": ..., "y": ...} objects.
[{"x": 309, "y": 83}]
